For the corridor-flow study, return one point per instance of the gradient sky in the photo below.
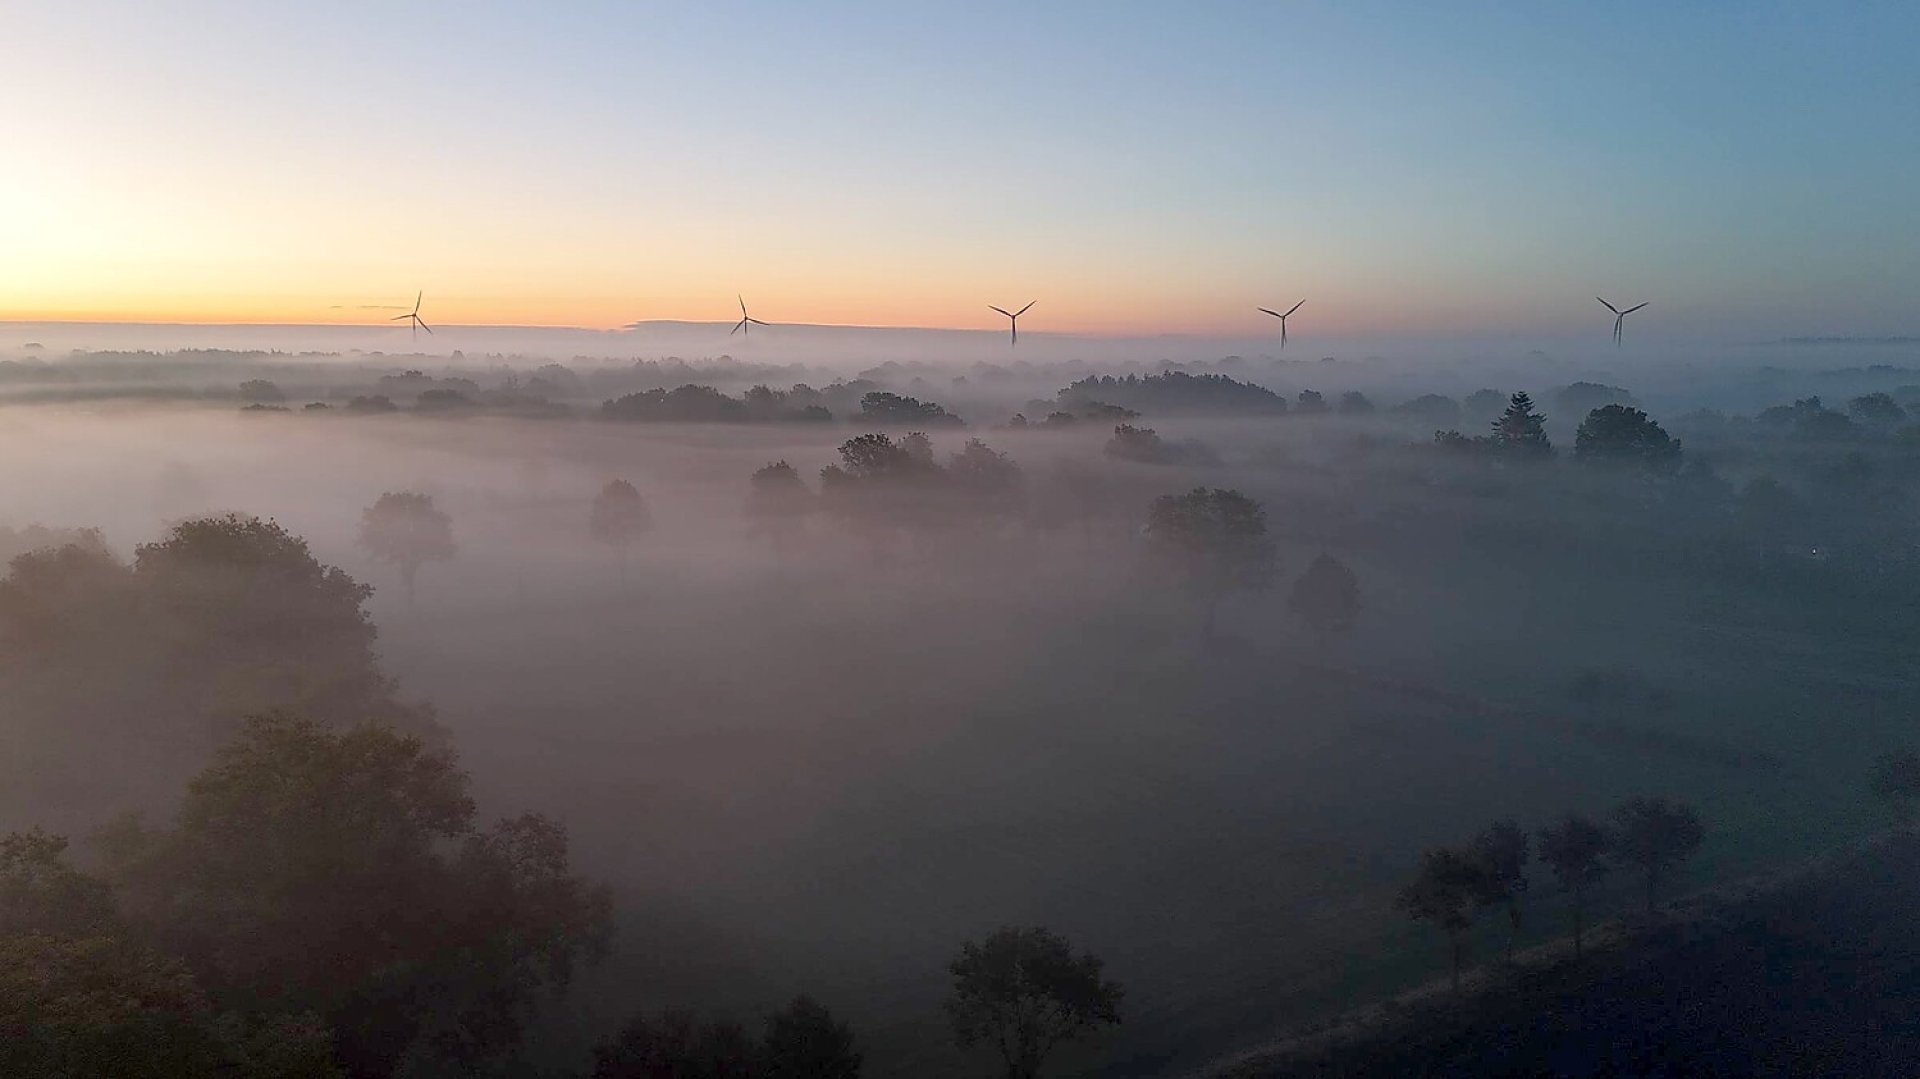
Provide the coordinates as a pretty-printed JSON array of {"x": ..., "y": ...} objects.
[{"x": 1136, "y": 167}]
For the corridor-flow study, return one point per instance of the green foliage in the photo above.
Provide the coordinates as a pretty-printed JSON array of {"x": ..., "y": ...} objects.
[
  {"x": 1444, "y": 893},
  {"x": 1024, "y": 991},
  {"x": 893, "y": 410},
  {"x": 342, "y": 872},
  {"x": 41, "y": 893},
  {"x": 1656, "y": 836},
  {"x": 1617, "y": 434},
  {"x": 675, "y": 1045},
  {"x": 1174, "y": 393}
]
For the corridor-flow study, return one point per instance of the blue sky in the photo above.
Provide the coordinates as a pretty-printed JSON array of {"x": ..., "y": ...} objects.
[{"x": 1137, "y": 167}]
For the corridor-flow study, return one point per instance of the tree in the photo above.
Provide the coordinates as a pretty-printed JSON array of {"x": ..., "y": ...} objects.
[
  {"x": 619, "y": 517},
  {"x": 1444, "y": 894},
  {"x": 989, "y": 482},
  {"x": 405, "y": 530},
  {"x": 1355, "y": 403},
  {"x": 675, "y": 1045},
  {"x": 1023, "y": 991},
  {"x": 893, "y": 410},
  {"x": 1896, "y": 777},
  {"x": 1326, "y": 597},
  {"x": 41, "y": 893},
  {"x": 805, "y": 1041},
  {"x": 1876, "y": 410},
  {"x": 1657, "y": 836},
  {"x": 1215, "y": 540},
  {"x": 1617, "y": 434},
  {"x": 1521, "y": 432},
  {"x": 778, "y": 502},
  {"x": 1309, "y": 403},
  {"x": 343, "y": 872},
  {"x": 98, "y": 1005},
  {"x": 259, "y": 391},
  {"x": 1576, "y": 850},
  {"x": 1502, "y": 850}
]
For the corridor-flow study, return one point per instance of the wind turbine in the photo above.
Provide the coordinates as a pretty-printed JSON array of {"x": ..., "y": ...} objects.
[
  {"x": 745, "y": 319},
  {"x": 1619, "y": 317},
  {"x": 1013, "y": 320},
  {"x": 1282, "y": 318},
  {"x": 414, "y": 315}
]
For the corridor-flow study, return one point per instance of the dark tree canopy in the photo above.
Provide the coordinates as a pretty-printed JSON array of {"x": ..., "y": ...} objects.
[
  {"x": 778, "y": 501},
  {"x": 1503, "y": 852},
  {"x": 1174, "y": 393},
  {"x": 1214, "y": 540},
  {"x": 676, "y": 1045},
  {"x": 406, "y": 530},
  {"x": 1444, "y": 893},
  {"x": 1656, "y": 836},
  {"x": 893, "y": 410},
  {"x": 1023, "y": 991},
  {"x": 619, "y": 516},
  {"x": 344, "y": 873},
  {"x": 1576, "y": 851},
  {"x": 804, "y": 1041},
  {"x": 1326, "y": 597},
  {"x": 1618, "y": 434},
  {"x": 1521, "y": 431}
]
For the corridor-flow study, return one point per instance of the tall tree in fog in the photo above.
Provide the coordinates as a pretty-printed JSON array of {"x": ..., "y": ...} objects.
[
  {"x": 1216, "y": 541},
  {"x": 1326, "y": 597},
  {"x": 1576, "y": 850},
  {"x": 1444, "y": 894},
  {"x": 805, "y": 1041},
  {"x": 619, "y": 517},
  {"x": 1521, "y": 431},
  {"x": 1896, "y": 778},
  {"x": 345, "y": 873},
  {"x": 1502, "y": 850},
  {"x": 407, "y": 531},
  {"x": 778, "y": 502},
  {"x": 1656, "y": 836},
  {"x": 1023, "y": 991},
  {"x": 988, "y": 483},
  {"x": 1621, "y": 435}
]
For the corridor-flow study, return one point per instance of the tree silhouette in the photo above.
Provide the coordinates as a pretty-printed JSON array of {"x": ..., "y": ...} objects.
[
  {"x": 1215, "y": 540},
  {"x": 1521, "y": 432},
  {"x": 619, "y": 517},
  {"x": 1576, "y": 850},
  {"x": 675, "y": 1045},
  {"x": 345, "y": 873},
  {"x": 1326, "y": 597},
  {"x": 1023, "y": 991},
  {"x": 1896, "y": 777},
  {"x": 1618, "y": 434},
  {"x": 1656, "y": 836},
  {"x": 1444, "y": 893},
  {"x": 805, "y": 1041},
  {"x": 405, "y": 530},
  {"x": 778, "y": 502},
  {"x": 1502, "y": 850}
]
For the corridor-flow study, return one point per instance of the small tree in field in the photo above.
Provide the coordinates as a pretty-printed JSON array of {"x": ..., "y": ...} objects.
[
  {"x": 1215, "y": 540},
  {"x": 1896, "y": 777},
  {"x": 1656, "y": 836},
  {"x": 1502, "y": 850},
  {"x": 1444, "y": 893},
  {"x": 619, "y": 517},
  {"x": 1024, "y": 991},
  {"x": 405, "y": 530},
  {"x": 1326, "y": 597},
  {"x": 1576, "y": 850},
  {"x": 1521, "y": 431}
]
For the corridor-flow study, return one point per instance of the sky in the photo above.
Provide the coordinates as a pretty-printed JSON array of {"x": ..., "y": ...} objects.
[{"x": 1132, "y": 168}]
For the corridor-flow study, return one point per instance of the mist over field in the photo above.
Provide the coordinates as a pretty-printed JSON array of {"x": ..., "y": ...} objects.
[{"x": 812, "y": 745}]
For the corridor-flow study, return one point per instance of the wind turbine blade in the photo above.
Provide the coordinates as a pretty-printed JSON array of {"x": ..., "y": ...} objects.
[
  {"x": 1631, "y": 310},
  {"x": 756, "y": 322},
  {"x": 1002, "y": 310},
  {"x": 737, "y": 327},
  {"x": 1295, "y": 307},
  {"x": 422, "y": 324},
  {"x": 417, "y": 297},
  {"x": 399, "y": 318},
  {"x": 1608, "y": 306},
  {"x": 1270, "y": 311},
  {"x": 743, "y": 304},
  {"x": 1023, "y": 310}
]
